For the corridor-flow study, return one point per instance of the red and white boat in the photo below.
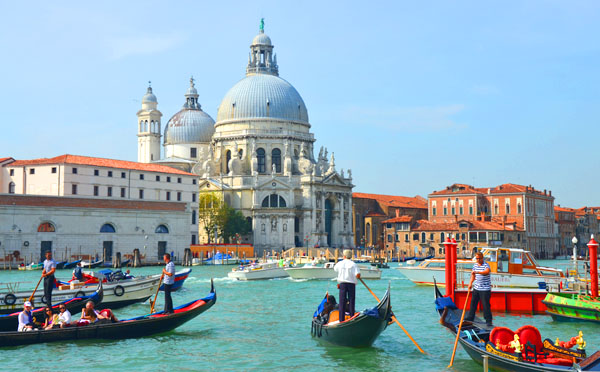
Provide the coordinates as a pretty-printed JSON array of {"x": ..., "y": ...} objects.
[{"x": 511, "y": 267}]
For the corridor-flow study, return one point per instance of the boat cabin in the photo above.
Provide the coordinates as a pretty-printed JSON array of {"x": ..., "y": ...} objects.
[{"x": 515, "y": 261}]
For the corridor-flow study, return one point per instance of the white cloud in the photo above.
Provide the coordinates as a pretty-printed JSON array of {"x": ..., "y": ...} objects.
[
  {"x": 122, "y": 47},
  {"x": 414, "y": 119}
]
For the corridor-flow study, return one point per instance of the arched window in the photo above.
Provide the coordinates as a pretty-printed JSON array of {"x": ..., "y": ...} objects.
[
  {"x": 146, "y": 126},
  {"x": 107, "y": 228},
  {"x": 11, "y": 188},
  {"x": 46, "y": 227},
  {"x": 161, "y": 229},
  {"x": 276, "y": 159},
  {"x": 422, "y": 237},
  {"x": 227, "y": 158},
  {"x": 274, "y": 201},
  {"x": 141, "y": 125},
  {"x": 262, "y": 161}
]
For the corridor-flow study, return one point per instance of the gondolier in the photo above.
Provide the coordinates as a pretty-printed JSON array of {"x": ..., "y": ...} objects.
[
  {"x": 48, "y": 274},
  {"x": 347, "y": 273},
  {"x": 169, "y": 280},
  {"x": 482, "y": 289}
]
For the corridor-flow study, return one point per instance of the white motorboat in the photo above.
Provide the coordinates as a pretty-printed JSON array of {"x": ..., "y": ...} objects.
[
  {"x": 326, "y": 271},
  {"x": 117, "y": 293},
  {"x": 268, "y": 270},
  {"x": 510, "y": 267}
]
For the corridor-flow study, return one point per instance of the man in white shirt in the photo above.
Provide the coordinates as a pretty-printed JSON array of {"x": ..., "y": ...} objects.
[
  {"x": 48, "y": 274},
  {"x": 64, "y": 317},
  {"x": 347, "y": 273},
  {"x": 169, "y": 279}
]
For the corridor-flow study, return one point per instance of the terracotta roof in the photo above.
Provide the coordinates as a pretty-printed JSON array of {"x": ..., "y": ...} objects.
[
  {"x": 563, "y": 209},
  {"x": 101, "y": 162},
  {"x": 70, "y": 202},
  {"x": 506, "y": 188},
  {"x": 2, "y": 160},
  {"x": 399, "y": 219},
  {"x": 375, "y": 214},
  {"x": 394, "y": 201},
  {"x": 425, "y": 225}
]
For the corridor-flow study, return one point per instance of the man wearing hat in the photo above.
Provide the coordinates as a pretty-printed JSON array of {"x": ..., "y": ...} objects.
[
  {"x": 347, "y": 273},
  {"x": 25, "y": 318}
]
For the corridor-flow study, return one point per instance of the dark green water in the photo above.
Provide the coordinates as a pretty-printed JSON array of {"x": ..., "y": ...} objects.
[{"x": 265, "y": 325}]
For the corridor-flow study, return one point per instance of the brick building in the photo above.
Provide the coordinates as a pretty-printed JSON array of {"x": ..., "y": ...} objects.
[
  {"x": 531, "y": 210},
  {"x": 587, "y": 223},
  {"x": 566, "y": 224},
  {"x": 409, "y": 237},
  {"x": 370, "y": 210}
]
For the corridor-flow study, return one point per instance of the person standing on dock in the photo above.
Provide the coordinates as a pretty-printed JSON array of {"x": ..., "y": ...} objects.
[
  {"x": 169, "y": 280},
  {"x": 48, "y": 274},
  {"x": 347, "y": 273},
  {"x": 482, "y": 289}
]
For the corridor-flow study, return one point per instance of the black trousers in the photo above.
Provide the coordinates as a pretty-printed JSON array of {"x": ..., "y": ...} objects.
[
  {"x": 48, "y": 287},
  {"x": 168, "y": 300},
  {"x": 347, "y": 293},
  {"x": 484, "y": 297}
]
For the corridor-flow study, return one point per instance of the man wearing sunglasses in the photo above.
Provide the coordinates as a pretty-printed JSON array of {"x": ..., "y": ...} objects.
[
  {"x": 64, "y": 316},
  {"x": 482, "y": 289}
]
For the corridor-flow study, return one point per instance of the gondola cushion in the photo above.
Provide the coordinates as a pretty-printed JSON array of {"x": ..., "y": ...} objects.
[
  {"x": 501, "y": 336},
  {"x": 444, "y": 302},
  {"x": 529, "y": 333}
]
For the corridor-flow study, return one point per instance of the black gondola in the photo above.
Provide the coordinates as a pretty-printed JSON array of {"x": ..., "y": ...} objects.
[
  {"x": 535, "y": 357},
  {"x": 60, "y": 265},
  {"x": 359, "y": 331},
  {"x": 145, "y": 325},
  {"x": 92, "y": 265},
  {"x": 71, "y": 265},
  {"x": 10, "y": 322}
]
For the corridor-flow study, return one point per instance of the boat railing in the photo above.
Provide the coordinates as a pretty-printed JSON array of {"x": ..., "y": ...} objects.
[{"x": 11, "y": 287}]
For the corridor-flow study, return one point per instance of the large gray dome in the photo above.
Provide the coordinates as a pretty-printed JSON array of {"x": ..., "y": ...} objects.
[
  {"x": 262, "y": 96},
  {"x": 189, "y": 126}
]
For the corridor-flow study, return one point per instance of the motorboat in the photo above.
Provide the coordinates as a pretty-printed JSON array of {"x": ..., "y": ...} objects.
[
  {"x": 254, "y": 271},
  {"x": 326, "y": 271},
  {"x": 510, "y": 267}
]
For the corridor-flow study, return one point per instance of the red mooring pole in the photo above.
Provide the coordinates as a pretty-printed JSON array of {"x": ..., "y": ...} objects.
[
  {"x": 449, "y": 268},
  {"x": 593, "y": 246}
]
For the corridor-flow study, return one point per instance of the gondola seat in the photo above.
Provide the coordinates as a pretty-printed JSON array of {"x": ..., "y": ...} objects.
[
  {"x": 334, "y": 317},
  {"x": 501, "y": 337}
]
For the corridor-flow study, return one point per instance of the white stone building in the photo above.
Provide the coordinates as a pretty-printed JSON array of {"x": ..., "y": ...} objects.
[
  {"x": 92, "y": 204},
  {"x": 259, "y": 155}
]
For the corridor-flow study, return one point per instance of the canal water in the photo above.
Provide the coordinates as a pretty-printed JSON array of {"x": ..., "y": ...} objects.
[{"x": 265, "y": 325}]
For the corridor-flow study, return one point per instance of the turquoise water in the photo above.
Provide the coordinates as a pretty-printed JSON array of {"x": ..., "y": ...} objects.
[{"x": 266, "y": 325}]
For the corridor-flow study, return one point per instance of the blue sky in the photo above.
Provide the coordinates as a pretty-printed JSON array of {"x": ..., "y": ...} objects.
[{"x": 412, "y": 96}]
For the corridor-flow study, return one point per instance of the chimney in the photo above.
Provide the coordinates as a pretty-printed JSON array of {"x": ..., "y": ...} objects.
[
  {"x": 397, "y": 213},
  {"x": 545, "y": 192},
  {"x": 550, "y": 192},
  {"x": 489, "y": 191}
]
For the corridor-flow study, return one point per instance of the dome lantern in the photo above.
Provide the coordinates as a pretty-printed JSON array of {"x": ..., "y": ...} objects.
[
  {"x": 261, "y": 59},
  {"x": 191, "y": 96}
]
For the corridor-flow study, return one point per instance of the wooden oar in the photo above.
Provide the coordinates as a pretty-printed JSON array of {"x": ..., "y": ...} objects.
[
  {"x": 156, "y": 295},
  {"x": 36, "y": 287},
  {"x": 393, "y": 318},
  {"x": 459, "y": 328}
]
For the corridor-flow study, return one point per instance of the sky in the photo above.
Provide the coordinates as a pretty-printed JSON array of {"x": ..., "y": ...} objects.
[{"x": 412, "y": 96}]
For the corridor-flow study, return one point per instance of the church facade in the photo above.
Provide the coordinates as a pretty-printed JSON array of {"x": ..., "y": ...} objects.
[{"x": 258, "y": 156}]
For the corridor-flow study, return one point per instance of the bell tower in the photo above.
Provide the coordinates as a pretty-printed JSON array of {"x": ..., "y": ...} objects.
[{"x": 149, "y": 131}]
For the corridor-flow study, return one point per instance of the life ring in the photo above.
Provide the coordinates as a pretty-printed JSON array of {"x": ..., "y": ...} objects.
[
  {"x": 119, "y": 291},
  {"x": 10, "y": 299},
  {"x": 80, "y": 294},
  {"x": 43, "y": 299},
  {"x": 17, "y": 254}
]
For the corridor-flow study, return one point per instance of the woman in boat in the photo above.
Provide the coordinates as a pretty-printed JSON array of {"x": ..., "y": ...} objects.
[{"x": 51, "y": 320}]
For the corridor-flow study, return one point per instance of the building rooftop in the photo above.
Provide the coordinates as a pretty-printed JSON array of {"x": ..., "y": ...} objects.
[
  {"x": 101, "y": 162},
  {"x": 425, "y": 225},
  {"x": 506, "y": 188},
  {"x": 75, "y": 202},
  {"x": 394, "y": 201},
  {"x": 399, "y": 219}
]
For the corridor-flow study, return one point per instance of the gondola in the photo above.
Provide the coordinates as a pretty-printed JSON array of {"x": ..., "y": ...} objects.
[
  {"x": 479, "y": 340},
  {"x": 92, "y": 265},
  {"x": 140, "y": 326},
  {"x": 359, "y": 331},
  {"x": 60, "y": 265},
  {"x": 10, "y": 322},
  {"x": 71, "y": 265},
  {"x": 180, "y": 278}
]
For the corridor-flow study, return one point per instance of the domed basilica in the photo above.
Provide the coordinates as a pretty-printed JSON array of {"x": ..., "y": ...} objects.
[{"x": 258, "y": 155}]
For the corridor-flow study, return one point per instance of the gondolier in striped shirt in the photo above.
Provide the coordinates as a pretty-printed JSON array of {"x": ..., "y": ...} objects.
[
  {"x": 482, "y": 289},
  {"x": 168, "y": 274},
  {"x": 48, "y": 274}
]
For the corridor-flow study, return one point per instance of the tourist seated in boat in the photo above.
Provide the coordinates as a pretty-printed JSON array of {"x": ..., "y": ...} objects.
[
  {"x": 64, "y": 316},
  {"x": 89, "y": 314},
  {"x": 109, "y": 315},
  {"x": 78, "y": 272},
  {"x": 26, "y": 318},
  {"x": 51, "y": 319},
  {"x": 328, "y": 307}
]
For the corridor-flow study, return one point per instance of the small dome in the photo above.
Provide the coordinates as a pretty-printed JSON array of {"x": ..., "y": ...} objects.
[
  {"x": 262, "y": 96},
  {"x": 189, "y": 126},
  {"x": 261, "y": 39},
  {"x": 191, "y": 91},
  {"x": 149, "y": 97}
]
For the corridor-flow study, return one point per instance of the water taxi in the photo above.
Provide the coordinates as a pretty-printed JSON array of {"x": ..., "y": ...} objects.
[
  {"x": 260, "y": 271},
  {"x": 326, "y": 271}
]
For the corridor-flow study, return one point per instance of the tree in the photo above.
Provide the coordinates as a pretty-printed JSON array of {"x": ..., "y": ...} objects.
[
  {"x": 230, "y": 222},
  {"x": 209, "y": 209}
]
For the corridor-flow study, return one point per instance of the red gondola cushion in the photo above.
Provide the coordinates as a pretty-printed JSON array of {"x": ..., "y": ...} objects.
[
  {"x": 555, "y": 361},
  {"x": 529, "y": 333},
  {"x": 502, "y": 336}
]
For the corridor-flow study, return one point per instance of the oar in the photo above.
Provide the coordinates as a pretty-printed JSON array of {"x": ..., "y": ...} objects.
[
  {"x": 36, "y": 287},
  {"x": 394, "y": 318},
  {"x": 156, "y": 295},
  {"x": 459, "y": 328}
]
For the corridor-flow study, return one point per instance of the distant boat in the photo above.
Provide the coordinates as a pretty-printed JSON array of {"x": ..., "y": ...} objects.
[
  {"x": 91, "y": 265},
  {"x": 260, "y": 271},
  {"x": 326, "y": 271},
  {"x": 60, "y": 265},
  {"x": 572, "y": 306},
  {"x": 71, "y": 265},
  {"x": 180, "y": 277}
]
